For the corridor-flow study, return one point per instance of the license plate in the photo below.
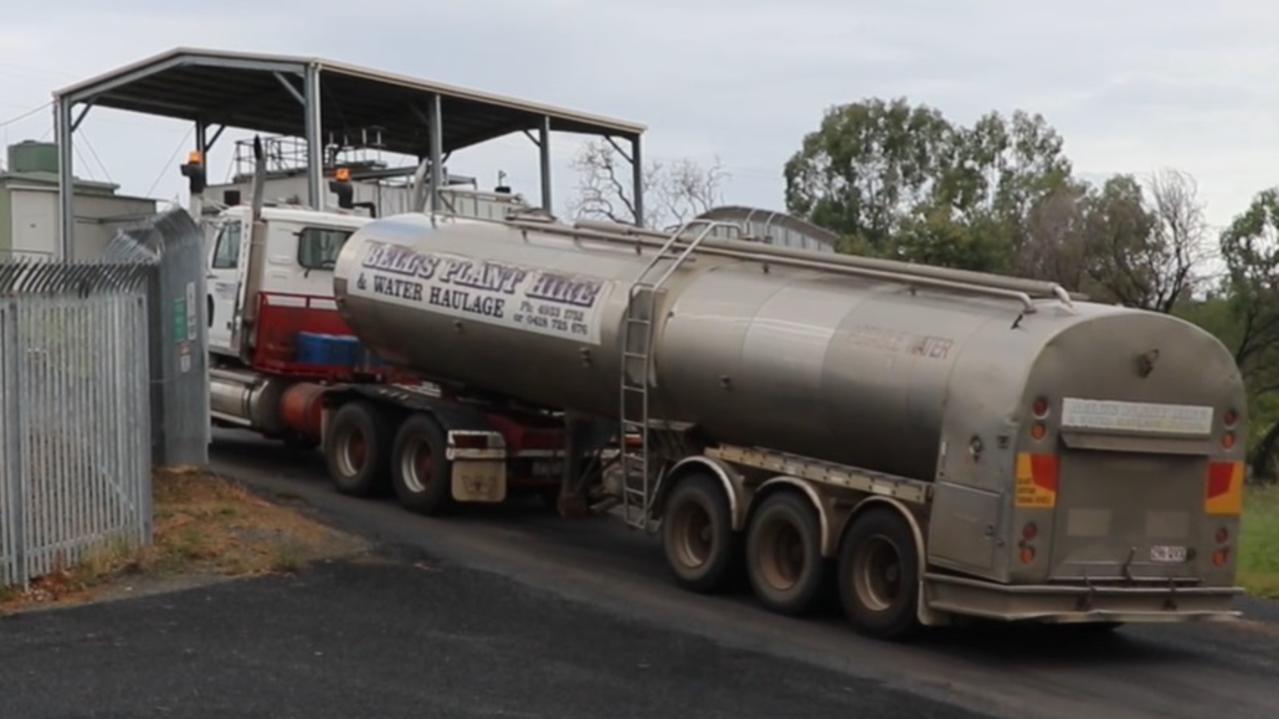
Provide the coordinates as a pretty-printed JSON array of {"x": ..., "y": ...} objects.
[{"x": 1167, "y": 553}]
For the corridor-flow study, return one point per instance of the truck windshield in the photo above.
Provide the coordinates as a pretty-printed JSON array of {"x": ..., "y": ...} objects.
[{"x": 318, "y": 247}]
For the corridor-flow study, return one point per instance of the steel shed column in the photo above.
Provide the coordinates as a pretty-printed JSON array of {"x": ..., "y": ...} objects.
[
  {"x": 637, "y": 180},
  {"x": 195, "y": 203},
  {"x": 66, "y": 179},
  {"x": 544, "y": 156},
  {"x": 314, "y": 142},
  {"x": 437, "y": 150}
]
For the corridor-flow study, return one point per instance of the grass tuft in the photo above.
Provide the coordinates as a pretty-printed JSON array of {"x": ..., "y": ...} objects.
[{"x": 204, "y": 525}]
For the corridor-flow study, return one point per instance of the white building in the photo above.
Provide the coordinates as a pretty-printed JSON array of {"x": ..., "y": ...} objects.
[{"x": 29, "y": 207}]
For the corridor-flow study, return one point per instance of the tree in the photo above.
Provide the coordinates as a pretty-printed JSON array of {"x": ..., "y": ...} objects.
[
  {"x": 1250, "y": 249},
  {"x": 1147, "y": 251},
  {"x": 903, "y": 182},
  {"x": 673, "y": 193},
  {"x": 1121, "y": 243},
  {"x": 867, "y": 168}
]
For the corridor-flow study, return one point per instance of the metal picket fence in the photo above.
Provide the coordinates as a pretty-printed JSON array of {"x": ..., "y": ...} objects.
[{"x": 75, "y": 462}]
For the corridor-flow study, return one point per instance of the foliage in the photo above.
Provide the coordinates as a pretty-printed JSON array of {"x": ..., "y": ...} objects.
[
  {"x": 1250, "y": 249},
  {"x": 902, "y": 181}
]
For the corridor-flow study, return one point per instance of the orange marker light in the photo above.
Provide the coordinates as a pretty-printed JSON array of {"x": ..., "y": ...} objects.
[
  {"x": 342, "y": 174},
  {"x": 1038, "y": 430},
  {"x": 1221, "y": 556},
  {"x": 1228, "y": 440},
  {"x": 195, "y": 157},
  {"x": 1027, "y": 555}
]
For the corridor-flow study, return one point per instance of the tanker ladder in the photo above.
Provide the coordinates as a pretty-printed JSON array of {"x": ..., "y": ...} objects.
[{"x": 637, "y": 339}]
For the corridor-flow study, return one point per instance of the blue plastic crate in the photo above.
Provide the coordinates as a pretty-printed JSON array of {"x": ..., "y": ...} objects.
[{"x": 326, "y": 349}]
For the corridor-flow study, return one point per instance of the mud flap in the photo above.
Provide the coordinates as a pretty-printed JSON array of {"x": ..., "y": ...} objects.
[{"x": 479, "y": 480}]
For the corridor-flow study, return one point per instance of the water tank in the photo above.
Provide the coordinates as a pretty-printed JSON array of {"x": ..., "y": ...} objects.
[{"x": 32, "y": 156}]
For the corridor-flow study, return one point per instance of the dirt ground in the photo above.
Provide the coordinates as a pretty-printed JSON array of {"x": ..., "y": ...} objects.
[{"x": 207, "y": 528}]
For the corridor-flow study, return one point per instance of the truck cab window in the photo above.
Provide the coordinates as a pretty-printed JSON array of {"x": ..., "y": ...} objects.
[
  {"x": 318, "y": 247},
  {"x": 227, "y": 252}
]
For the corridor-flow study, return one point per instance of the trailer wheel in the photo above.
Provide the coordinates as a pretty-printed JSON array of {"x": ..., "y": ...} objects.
[
  {"x": 784, "y": 553},
  {"x": 878, "y": 571},
  {"x": 419, "y": 467},
  {"x": 356, "y": 448},
  {"x": 697, "y": 534}
]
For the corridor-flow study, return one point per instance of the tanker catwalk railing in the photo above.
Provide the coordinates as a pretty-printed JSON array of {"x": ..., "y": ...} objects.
[
  {"x": 637, "y": 340},
  {"x": 1019, "y": 290},
  {"x": 75, "y": 453}
]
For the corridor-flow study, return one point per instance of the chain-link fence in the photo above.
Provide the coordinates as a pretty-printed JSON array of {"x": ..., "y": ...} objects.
[{"x": 75, "y": 446}]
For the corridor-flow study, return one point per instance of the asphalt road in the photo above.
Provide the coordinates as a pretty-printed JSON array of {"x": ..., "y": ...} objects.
[
  {"x": 598, "y": 566},
  {"x": 398, "y": 636}
]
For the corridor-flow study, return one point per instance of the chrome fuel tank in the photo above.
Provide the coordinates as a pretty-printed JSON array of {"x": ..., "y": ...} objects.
[{"x": 757, "y": 346}]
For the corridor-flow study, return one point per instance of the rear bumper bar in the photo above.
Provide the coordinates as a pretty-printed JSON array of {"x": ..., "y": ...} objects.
[{"x": 1077, "y": 603}]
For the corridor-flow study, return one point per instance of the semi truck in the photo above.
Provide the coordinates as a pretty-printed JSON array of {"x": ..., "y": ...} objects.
[{"x": 930, "y": 444}]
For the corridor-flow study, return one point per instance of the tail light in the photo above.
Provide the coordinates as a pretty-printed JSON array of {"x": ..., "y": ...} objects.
[
  {"x": 1222, "y": 536},
  {"x": 1029, "y": 532},
  {"x": 1040, "y": 407},
  {"x": 1230, "y": 418}
]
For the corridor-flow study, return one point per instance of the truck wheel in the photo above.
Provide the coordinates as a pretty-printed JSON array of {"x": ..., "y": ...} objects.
[
  {"x": 356, "y": 448},
  {"x": 697, "y": 534},
  {"x": 878, "y": 574},
  {"x": 419, "y": 467},
  {"x": 784, "y": 553}
]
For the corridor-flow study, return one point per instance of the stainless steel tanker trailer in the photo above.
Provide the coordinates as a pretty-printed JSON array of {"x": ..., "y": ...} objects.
[{"x": 945, "y": 443}]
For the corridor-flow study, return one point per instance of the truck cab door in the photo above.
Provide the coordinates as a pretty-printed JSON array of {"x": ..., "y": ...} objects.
[{"x": 224, "y": 277}]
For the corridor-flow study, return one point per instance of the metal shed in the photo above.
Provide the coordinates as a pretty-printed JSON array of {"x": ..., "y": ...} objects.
[{"x": 308, "y": 96}]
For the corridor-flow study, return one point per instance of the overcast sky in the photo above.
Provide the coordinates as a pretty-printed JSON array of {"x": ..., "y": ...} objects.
[{"x": 1132, "y": 86}]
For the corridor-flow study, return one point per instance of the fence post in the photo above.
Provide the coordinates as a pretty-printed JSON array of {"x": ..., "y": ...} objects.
[{"x": 12, "y": 377}]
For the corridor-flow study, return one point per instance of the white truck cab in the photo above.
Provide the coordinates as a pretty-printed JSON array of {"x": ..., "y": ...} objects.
[{"x": 300, "y": 248}]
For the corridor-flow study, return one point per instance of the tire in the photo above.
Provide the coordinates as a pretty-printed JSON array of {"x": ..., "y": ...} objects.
[
  {"x": 697, "y": 534},
  {"x": 419, "y": 467},
  {"x": 784, "y": 554},
  {"x": 878, "y": 574},
  {"x": 357, "y": 448}
]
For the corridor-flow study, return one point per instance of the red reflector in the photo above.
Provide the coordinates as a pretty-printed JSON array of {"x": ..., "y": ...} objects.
[
  {"x": 1230, "y": 418},
  {"x": 1030, "y": 531},
  {"x": 1044, "y": 471},
  {"x": 1219, "y": 476},
  {"x": 1223, "y": 535}
]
